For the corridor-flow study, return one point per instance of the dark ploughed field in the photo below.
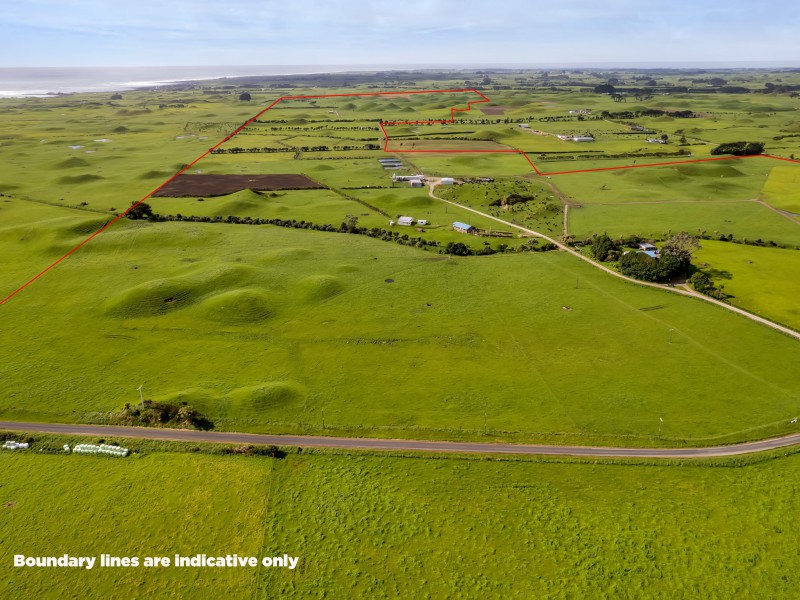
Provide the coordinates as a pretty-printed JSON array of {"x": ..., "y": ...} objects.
[{"x": 222, "y": 185}]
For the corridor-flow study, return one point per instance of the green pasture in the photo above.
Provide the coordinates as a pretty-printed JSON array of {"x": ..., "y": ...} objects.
[
  {"x": 782, "y": 189},
  {"x": 726, "y": 180},
  {"x": 318, "y": 206},
  {"x": 743, "y": 219},
  {"x": 761, "y": 280},
  {"x": 156, "y": 505},
  {"x": 386, "y": 339},
  {"x": 542, "y": 211},
  {"x": 312, "y": 318},
  {"x": 384, "y": 527}
]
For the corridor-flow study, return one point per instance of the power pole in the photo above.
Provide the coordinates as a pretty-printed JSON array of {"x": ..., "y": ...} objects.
[
  {"x": 660, "y": 425},
  {"x": 141, "y": 396},
  {"x": 323, "y": 416},
  {"x": 670, "y": 335}
]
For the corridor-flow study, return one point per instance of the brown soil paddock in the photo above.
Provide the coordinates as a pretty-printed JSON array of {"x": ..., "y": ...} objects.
[{"x": 222, "y": 185}]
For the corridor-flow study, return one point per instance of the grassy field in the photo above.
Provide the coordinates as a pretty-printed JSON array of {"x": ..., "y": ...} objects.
[
  {"x": 386, "y": 527},
  {"x": 274, "y": 329},
  {"x": 781, "y": 189},
  {"x": 386, "y": 339},
  {"x": 745, "y": 220},
  {"x": 155, "y": 505},
  {"x": 762, "y": 280}
]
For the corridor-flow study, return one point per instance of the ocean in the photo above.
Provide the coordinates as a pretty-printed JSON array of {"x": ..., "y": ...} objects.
[
  {"x": 45, "y": 81},
  {"x": 17, "y": 82}
]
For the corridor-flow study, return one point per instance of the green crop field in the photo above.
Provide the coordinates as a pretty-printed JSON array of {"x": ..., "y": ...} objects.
[{"x": 387, "y": 527}]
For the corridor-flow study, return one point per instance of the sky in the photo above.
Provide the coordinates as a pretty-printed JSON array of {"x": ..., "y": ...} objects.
[{"x": 60, "y": 33}]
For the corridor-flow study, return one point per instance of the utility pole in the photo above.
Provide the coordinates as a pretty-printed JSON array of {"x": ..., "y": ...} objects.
[
  {"x": 670, "y": 335},
  {"x": 141, "y": 396},
  {"x": 323, "y": 416},
  {"x": 484, "y": 421},
  {"x": 660, "y": 425}
]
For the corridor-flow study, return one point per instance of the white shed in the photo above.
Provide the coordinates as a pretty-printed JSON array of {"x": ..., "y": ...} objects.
[
  {"x": 405, "y": 221},
  {"x": 447, "y": 181}
]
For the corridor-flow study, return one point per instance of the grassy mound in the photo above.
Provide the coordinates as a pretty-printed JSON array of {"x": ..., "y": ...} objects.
[
  {"x": 81, "y": 227},
  {"x": 265, "y": 396},
  {"x": 709, "y": 170},
  {"x": 192, "y": 396},
  {"x": 72, "y": 163},
  {"x": 286, "y": 254},
  {"x": 152, "y": 298},
  {"x": 155, "y": 175},
  {"x": 319, "y": 287},
  {"x": 239, "y": 306},
  {"x": 85, "y": 178},
  {"x": 160, "y": 296},
  {"x": 490, "y": 136}
]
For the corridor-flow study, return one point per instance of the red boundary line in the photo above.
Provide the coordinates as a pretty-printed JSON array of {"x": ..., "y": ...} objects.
[{"x": 383, "y": 124}]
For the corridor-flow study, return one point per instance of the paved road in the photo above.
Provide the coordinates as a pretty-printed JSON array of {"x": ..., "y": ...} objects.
[
  {"x": 309, "y": 441},
  {"x": 684, "y": 292}
]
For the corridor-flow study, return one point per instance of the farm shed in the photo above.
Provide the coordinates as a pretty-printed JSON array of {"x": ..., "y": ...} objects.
[
  {"x": 447, "y": 181},
  {"x": 405, "y": 221},
  {"x": 463, "y": 227},
  {"x": 415, "y": 183}
]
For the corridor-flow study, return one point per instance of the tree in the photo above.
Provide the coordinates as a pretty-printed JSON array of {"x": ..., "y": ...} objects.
[
  {"x": 605, "y": 88},
  {"x": 641, "y": 266},
  {"x": 702, "y": 283},
  {"x": 140, "y": 210},
  {"x": 739, "y": 148},
  {"x": 680, "y": 246},
  {"x": 457, "y": 249},
  {"x": 116, "y": 96},
  {"x": 602, "y": 247},
  {"x": 664, "y": 138},
  {"x": 351, "y": 222},
  {"x": 245, "y": 96}
]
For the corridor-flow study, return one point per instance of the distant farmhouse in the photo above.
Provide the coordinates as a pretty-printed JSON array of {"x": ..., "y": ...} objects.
[
  {"x": 576, "y": 138},
  {"x": 649, "y": 249}
]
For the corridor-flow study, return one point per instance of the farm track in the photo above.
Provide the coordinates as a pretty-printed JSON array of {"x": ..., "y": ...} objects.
[
  {"x": 674, "y": 290},
  {"x": 345, "y": 443}
]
